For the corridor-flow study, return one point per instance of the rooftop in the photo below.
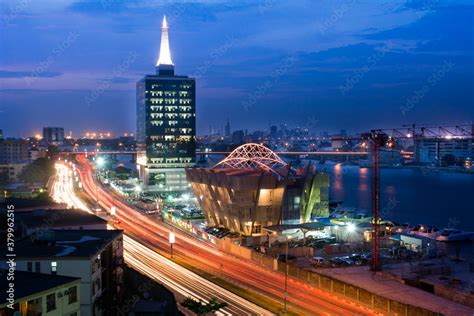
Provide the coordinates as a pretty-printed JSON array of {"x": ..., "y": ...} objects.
[
  {"x": 57, "y": 217},
  {"x": 29, "y": 283},
  {"x": 64, "y": 243}
]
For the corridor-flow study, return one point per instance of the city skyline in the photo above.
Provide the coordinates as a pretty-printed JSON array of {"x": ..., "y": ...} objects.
[
  {"x": 327, "y": 71},
  {"x": 237, "y": 157}
]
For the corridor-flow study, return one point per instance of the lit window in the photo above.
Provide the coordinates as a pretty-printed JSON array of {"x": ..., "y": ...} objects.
[{"x": 54, "y": 267}]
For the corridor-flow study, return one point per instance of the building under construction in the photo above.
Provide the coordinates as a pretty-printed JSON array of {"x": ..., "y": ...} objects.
[{"x": 253, "y": 188}]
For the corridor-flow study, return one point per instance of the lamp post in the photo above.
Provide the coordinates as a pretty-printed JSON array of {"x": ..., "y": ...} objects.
[
  {"x": 172, "y": 239},
  {"x": 285, "y": 309}
]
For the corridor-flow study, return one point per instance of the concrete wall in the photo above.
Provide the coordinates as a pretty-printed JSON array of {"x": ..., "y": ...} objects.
[{"x": 454, "y": 295}]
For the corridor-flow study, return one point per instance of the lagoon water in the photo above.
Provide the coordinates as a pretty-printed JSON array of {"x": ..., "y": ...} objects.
[{"x": 435, "y": 198}]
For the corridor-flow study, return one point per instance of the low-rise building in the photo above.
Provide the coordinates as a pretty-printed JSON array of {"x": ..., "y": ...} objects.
[
  {"x": 11, "y": 172},
  {"x": 95, "y": 256},
  {"x": 433, "y": 150},
  {"x": 13, "y": 151},
  {"x": 40, "y": 294},
  {"x": 35, "y": 154}
]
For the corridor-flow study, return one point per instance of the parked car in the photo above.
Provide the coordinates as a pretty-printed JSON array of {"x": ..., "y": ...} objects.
[
  {"x": 318, "y": 261},
  {"x": 335, "y": 261},
  {"x": 358, "y": 258},
  {"x": 346, "y": 261},
  {"x": 341, "y": 261}
]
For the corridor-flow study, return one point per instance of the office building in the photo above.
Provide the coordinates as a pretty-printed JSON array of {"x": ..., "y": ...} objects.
[
  {"x": 41, "y": 294},
  {"x": 95, "y": 256},
  {"x": 166, "y": 125},
  {"x": 253, "y": 188},
  {"x": 53, "y": 135}
]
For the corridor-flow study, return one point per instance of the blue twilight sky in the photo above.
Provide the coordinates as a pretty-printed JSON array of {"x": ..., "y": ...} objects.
[{"x": 329, "y": 65}]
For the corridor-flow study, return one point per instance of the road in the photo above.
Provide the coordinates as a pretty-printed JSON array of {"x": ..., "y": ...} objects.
[
  {"x": 179, "y": 280},
  {"x": 301, "y": 297}
]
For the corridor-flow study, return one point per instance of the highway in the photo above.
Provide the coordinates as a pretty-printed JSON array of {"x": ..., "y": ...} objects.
[
  {"x": 179, "y": 280},
  {"x": 301, "y": 297}
]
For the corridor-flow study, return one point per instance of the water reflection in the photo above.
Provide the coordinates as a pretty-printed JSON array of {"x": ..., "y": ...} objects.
[{"x": 431, "y": 198}]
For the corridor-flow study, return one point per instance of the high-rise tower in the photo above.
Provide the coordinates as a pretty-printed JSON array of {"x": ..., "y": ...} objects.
[{"x": 166, "y": 124}]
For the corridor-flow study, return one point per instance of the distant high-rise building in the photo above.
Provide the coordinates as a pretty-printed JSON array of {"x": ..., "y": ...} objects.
[
  {"x": 273, "y": 131},
  {"x": 53, "y": 135},
  {"x": 1, "y": 134},
  {"x": 238, "y": 137},
  {"x": 227, "y": 129},
  {"x": 166, "y": 125}
]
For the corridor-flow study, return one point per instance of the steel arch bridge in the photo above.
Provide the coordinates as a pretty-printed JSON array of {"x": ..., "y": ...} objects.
[{"x": 254, "y": 157}]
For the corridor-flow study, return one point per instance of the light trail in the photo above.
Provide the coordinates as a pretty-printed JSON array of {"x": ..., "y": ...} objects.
[
  {"x": 142, "y": 258},
  {"x": 62, "y": 190},
  {"x": 302, "y": 297}
]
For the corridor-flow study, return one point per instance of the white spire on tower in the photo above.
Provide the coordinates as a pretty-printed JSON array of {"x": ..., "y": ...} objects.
[{"x": 165, "y": 54}]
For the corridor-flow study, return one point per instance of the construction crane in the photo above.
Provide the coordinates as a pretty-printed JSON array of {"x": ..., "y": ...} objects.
[{"x": 379, "y": 138}]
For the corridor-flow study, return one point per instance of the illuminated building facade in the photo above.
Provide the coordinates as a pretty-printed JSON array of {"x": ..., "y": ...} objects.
[
  {"x": 433, "y": 150},
  {"x": 166, "y": 125},
  {"x": 253, "y": 188}
]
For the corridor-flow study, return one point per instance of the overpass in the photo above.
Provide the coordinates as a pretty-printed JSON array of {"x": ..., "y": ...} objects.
[{"x": 299, "y": 153}]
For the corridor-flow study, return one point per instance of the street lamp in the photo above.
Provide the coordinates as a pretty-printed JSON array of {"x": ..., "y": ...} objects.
[
  {"x": 100, "y": 161},
  {"x": 138, "y": 189},
  {"x": 172, "y": 239}
]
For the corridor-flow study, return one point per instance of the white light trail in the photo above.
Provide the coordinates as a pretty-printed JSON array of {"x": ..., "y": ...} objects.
[{"x": 141, "y": 258}]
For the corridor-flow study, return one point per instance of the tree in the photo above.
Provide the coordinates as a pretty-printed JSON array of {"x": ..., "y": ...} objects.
[
  {"x": 200, "y": 309},
  {"x": 38, "y": 171},
  {"x": 52, "y": 151}
]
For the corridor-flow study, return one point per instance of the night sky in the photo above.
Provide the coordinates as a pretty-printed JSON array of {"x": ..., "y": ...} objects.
[{"x": 328, "y": 65}]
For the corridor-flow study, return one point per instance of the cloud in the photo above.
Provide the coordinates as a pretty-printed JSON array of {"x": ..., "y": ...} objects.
[
  {"x": 117, "y": 80},
  {"x": 27, "y": 74}
]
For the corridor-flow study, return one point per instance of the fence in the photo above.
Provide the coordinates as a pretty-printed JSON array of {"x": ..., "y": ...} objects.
[{"x": 329, "y": 284}]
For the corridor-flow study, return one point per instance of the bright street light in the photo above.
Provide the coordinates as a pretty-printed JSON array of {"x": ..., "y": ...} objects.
[
  {"x": 351, "y": 227},
  {"x": 100, "y": 161}
]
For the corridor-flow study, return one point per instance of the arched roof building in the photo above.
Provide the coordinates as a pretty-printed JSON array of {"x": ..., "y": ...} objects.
[{"x": 252, "y": 188}]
